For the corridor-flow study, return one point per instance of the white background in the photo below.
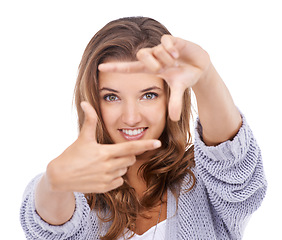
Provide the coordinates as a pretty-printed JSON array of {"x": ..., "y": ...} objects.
[{"x": 41, "y": 46}]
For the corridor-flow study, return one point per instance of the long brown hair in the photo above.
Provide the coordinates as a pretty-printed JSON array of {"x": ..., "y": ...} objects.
[{"x": 120, "y": 40}]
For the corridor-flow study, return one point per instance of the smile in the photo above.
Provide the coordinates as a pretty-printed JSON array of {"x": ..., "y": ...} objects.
[{"x": 133, "y": 134}]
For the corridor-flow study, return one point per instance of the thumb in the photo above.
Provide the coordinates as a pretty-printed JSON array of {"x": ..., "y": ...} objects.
[
  {"x": 175, "y": 103},
  {"x": 88, "y": 129}
]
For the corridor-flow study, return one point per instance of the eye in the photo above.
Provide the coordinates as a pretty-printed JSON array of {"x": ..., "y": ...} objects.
[
  {"x": 150, "y": 96},
  {"x": 111, "y": 98}
]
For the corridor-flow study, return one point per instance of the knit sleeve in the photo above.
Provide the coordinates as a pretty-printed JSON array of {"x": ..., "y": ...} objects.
[
  {"x": 36, "y": 228},
  {"x": 233, "y": 175}
]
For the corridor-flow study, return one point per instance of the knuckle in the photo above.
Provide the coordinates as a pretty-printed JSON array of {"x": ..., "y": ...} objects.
[
  {"x": 166, "y": 40},
  {"x": 112, "y": 185},
  {"x": 124, "y": 147},
  {"x": 132, "y": 148},
  {"x": 119, "y": 181},
  {"x": 143, "y": 52},
  {"x": 103, "y": 188},
  {"x": 127, "y": 69},
  {"x": 107, "y": 179},
  {"x": 170, "y": 48},
  {"x": 108, "y": 166},
  {"x": 103, "y": 153},
  {"x": 123, "y": 171},
  {"x": 131, "y": 145},
  {"x": 157, "y": 68},
  {"x": 158, "y": 50},
  {"x": 132, "y": 160},
  {"x": 165, "y": 37}
]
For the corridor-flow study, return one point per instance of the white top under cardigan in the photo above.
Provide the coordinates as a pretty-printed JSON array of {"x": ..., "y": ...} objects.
[{"x": 157, "y": 230}]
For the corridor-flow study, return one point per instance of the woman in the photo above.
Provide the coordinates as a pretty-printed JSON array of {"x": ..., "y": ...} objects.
[{"x": 133, "y": 171}]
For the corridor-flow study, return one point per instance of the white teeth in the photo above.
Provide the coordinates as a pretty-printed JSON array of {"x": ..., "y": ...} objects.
[{"x": 133, "y": 132}]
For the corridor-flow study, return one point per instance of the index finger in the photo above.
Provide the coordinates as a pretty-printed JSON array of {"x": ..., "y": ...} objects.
[
  {"x": 132, "y": 147},
  {"x": 123, "y": 67}
]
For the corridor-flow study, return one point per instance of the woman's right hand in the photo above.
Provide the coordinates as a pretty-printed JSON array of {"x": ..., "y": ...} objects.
[{"x": 87, "y": 166}]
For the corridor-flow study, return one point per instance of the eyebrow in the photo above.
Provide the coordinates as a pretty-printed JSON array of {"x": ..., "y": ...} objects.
[
  {"x": 150, "y": 89},
  {"x": 109, "y": 89},
  {"x": 144, "y": 90}
]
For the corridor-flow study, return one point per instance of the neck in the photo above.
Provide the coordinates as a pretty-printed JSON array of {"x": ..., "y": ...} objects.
[{"x": 134, "y": 178}]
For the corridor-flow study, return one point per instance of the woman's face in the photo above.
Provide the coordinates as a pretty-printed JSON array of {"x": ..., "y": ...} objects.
[{"x": 133, "y": 106}]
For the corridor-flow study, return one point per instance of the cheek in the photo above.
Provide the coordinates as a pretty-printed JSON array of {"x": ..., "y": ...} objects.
[{"x": 108, "y": 115}]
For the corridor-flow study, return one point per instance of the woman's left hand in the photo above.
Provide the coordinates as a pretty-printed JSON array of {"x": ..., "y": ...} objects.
[{"x": 182, "y": 64}]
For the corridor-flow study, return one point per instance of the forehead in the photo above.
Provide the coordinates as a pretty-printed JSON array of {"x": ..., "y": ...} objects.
[{"x": 121, "y": 81}]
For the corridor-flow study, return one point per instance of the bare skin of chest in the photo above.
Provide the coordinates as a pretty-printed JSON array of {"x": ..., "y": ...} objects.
[{"x": 144, "y": 224}]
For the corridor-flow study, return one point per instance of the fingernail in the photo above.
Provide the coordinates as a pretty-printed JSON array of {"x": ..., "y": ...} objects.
[
  {"x": 174, "y": 54},
  {"x": 157, "y": 144}
]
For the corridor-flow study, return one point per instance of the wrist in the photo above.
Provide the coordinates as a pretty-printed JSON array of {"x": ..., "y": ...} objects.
[
  {"x": 53, "y": 177},
  {"x": 53, "y": 207},
  {"x": 207, "y": 81}
]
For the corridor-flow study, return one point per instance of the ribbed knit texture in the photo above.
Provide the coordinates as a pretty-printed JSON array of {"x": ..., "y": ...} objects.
[{"x": 230, "y": 186}]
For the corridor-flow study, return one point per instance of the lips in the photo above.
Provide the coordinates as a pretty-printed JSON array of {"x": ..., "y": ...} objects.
[{"x": 133, "y": 134}]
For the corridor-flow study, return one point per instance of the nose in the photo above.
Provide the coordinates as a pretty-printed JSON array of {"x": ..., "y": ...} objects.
[{"x": 131, "y": 114}]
